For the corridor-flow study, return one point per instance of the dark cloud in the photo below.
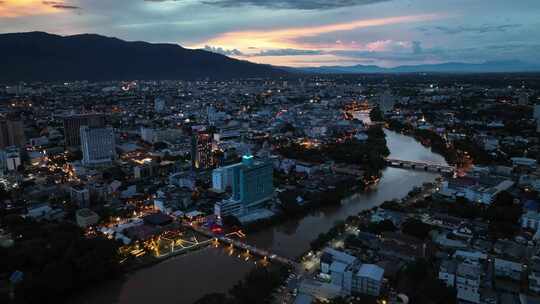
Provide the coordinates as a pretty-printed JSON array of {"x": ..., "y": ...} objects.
[
  {"x": 482, "y": 29},
  {"x": 60, "y": 5},
  {"x": 291, "y": 4},
  {"x": 222, "y": 51}
]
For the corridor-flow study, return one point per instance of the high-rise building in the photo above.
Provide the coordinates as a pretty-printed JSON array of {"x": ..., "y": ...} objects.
[
  {"x": 387, "y": 101},
  {"x": 523, "y": 99},
  {"x": 98, "y": 146},
  {"x": 253, "y": 182},
  {"x": 159, "y": 105},
  {"x": 201, "y": 151},
  {"x": 148, "y": 135},
  {"x": 222, "y": 178},
  {"x": 536, "y": 113},
  {"x": 11, "y": 133},
  {"x": 252, "y": 186},
  {"x": 3, "y": 162},
  {"x": 536, "y": 116},
  {"x": 211, "y": 113},
  {"x": 73, "y": 124}
]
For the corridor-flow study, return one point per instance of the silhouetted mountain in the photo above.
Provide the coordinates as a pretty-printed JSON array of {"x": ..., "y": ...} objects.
[
  {"x": 451, "y": 67},
  {"x": 38, "y": 56}
]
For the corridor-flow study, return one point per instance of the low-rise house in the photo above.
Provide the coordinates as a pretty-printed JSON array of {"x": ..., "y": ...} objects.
[
  {"x": 534, "y": 275},
  {"x": 86, "y": 217},
  {"x": 350, "y": 274},
  {"x": 530, "y": 220}
]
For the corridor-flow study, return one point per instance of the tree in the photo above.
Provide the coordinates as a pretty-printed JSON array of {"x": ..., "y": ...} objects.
[
  {"x": 416, "y": 228},
  {"x": 56, "y": 259},
  {"x": 258, "y": 285},
  {"x": 465, "y": 209},
  {"x": 503, "y": 215},
  {"x": 380, "y": 227},
  {"x": 160, "y": 146},
  {"x": 4, "y": 194},
  {"x": 231, "y": 221},
  {"x": 376, "y": 114},
  {"x": 419, "y": 280},
  {"x": 214, "y": 298}
]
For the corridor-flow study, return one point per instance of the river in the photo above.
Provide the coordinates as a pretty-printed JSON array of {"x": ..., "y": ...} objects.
[{"x": 186, "y": 278}]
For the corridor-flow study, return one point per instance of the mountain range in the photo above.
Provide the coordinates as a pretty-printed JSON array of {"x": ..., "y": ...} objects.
[
  {"x": 39, "y": 56},
  {"x": 450, "y": 67}
]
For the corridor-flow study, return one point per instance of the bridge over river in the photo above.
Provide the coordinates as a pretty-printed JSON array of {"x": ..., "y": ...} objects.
[
  {"x": 420, "y": 165},
  {"x": 267, "y": 255}
]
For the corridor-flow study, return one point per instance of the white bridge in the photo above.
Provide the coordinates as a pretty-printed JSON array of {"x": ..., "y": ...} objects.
[{"x": 420, "y": 165}]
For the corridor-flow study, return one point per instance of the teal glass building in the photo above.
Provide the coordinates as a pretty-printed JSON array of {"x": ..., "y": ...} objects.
[{"x": 252, "y": 182}]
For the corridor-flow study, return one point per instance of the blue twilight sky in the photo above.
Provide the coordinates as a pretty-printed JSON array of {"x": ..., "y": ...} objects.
[{"x": 303, "y": 32}]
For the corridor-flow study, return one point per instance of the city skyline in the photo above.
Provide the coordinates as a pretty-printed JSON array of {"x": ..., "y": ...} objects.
[{"x": 302, "y": 33}]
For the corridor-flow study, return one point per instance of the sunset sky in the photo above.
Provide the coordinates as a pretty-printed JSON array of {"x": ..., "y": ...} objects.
[{"x": 303, "y": 32}]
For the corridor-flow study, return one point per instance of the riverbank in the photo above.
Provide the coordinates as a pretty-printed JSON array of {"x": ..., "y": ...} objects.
[
  {"x": 428, "y": 138},
  {"x": 459, "y": 152}
]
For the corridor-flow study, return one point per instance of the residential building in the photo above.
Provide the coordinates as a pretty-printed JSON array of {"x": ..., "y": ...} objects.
[
  {"x": 350, "y": 274},
  {"x": 86, "y": 217},
  {"x": 523, "y": 98},
  {"x": 531, "y": 220},
  {"x": 148, "y": 135},
  {"x": 10, "y": 159},
  {"x": 534, "y": 275},
  {"x": 508, "y": 268},
  {"x": 468, "y": 282},
  {"x": 80, "y": 195},
  {"x": 447, "y": 272},
  {"x": 368, "y": 280},
  {"x": 183, "y": 180}
]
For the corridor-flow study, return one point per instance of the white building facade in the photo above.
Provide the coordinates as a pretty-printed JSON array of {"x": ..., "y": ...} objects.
[{"x": 98, "y": 146}]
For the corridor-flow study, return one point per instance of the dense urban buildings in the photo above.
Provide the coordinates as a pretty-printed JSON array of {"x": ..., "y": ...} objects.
[
  {"x": 270, "y": 152},
  {"x": 373, "y": 188}
]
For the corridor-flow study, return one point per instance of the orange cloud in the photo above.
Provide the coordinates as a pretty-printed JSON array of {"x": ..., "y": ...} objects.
[
  {"x": 286, "y": 37},
  {"x": 18, "y": 8}
]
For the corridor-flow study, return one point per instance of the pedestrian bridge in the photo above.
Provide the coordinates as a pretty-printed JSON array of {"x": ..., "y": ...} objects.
[
  {"x": 420, "y": 165},
  {"x": 266, "y": 255}
]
